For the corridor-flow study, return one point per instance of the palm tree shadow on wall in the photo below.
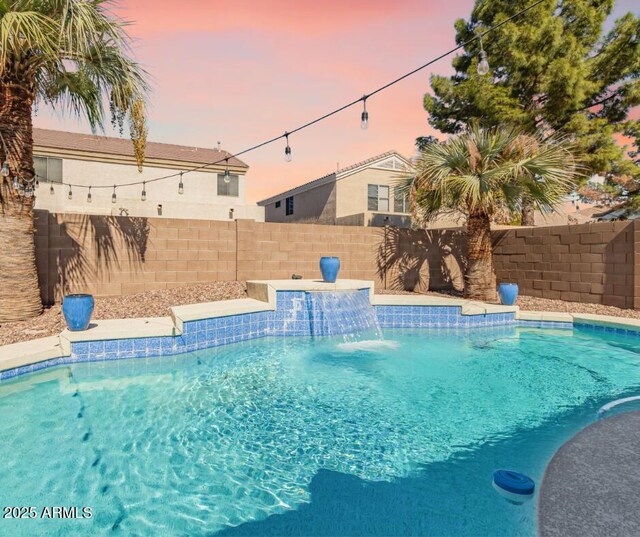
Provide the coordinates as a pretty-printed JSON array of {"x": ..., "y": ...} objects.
[
  {"x": 421, "y": 260},
  {"x": 100, "y": 246}
]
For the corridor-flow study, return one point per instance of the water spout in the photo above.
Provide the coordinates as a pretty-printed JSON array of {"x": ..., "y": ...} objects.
[{"x": 346, "y": 313}]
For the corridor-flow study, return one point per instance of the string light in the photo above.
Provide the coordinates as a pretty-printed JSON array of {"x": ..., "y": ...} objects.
[
  {"x": 70, "y": 194},
  {"x": 287, "y": 150},
  {"x": 89, "y": 196},
  {"x": 364, "y": 118},
  {"x": 483, "y": 64},
  {"x": 226, "y": 176},
  {"x": 16, "y": 182},
  {"x": 483, "y": 68},
  {"x": 113, "y": 196},
  {"x": 143, "y": 196}
]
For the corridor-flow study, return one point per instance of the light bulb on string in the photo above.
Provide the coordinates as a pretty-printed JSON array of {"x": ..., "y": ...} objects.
[
  {"x": 364, "y": 118},
  {"x": 180, "y": 185},
  {"x": 89, "y": 196},
  {"x": 70, "y": 194},
  {"x": 287, "y": 150},
  {"x": 143, "y": 196},
  {"x": 16, "y": 182},
  {"x": 226, "y": 177},
  {"x": 4, "y": 171},
  {"x": 483, "y": 64},
  {"x": 113, "y": 196},
  {"x": 51, "y": 190}
]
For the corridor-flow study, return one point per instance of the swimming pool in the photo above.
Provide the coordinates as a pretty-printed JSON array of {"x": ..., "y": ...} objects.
[{"x": 304, "y": 436}]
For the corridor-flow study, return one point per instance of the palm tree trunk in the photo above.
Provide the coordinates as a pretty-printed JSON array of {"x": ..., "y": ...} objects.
[
  {"x": 19, "y": 289},
  {"x": 527, "y": 213},
  {"x": 479, "y": 277}
]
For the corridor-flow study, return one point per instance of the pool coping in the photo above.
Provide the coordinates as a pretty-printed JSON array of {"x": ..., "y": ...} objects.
[{"x": 262, "y": 297}]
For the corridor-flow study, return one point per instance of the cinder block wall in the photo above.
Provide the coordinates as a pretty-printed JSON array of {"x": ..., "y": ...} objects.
[
  {"x": 108, "y": 256},
  {"x": 592, "y": 263}
]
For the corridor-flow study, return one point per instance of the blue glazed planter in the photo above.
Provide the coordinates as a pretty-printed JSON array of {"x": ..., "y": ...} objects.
[
  {"x": 508, "y": 293},
  {"x": 77, "y": 310},
  {"x": 329, "y": 266}
]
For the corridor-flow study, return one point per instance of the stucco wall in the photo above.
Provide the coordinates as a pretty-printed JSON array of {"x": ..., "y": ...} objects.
[
  {"x": 352, "y": 190},
  {"x": 200, "y": 198},
  {"x": 317, "y": 204},
  {"x": 103, "y": 255},
  {"x": 338, "y": 201}
]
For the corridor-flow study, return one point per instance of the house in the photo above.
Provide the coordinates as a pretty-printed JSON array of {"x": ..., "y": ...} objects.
[
  {"x": 63, "y": 158},
  {"x": 364, "y": 194}
]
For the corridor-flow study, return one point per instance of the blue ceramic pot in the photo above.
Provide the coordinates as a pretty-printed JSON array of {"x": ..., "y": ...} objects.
[
  {"x": 77, "y": 310},
  {"x": 508, "y": 293},
  {"x": 329, "y": 266}
]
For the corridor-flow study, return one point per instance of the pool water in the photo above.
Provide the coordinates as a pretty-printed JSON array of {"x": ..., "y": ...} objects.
[{"x": 301, "y": 436}]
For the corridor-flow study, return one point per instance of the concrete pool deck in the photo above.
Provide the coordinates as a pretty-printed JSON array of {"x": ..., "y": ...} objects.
[{"x": 591, "y": 487}]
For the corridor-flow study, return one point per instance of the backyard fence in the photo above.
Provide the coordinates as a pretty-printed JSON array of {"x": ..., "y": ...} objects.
[{"x": 111, "y": 255}]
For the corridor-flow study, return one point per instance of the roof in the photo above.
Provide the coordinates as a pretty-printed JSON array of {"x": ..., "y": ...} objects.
[
  {"x": 123, "y": 147},
  {"x": 333, "y": 176}
]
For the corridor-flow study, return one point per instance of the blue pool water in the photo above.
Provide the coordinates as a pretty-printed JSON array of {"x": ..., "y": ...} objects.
[{"x": 302, "y": 436}]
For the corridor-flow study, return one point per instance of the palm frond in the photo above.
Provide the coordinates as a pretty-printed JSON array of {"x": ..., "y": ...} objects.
[
  {"x": 491, "y": 171},
  {"x": 75, "y": 54}
]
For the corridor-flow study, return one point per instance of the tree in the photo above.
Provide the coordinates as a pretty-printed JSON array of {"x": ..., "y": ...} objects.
[
  {"x": 484, "y": 173},
  {"x": 552, "y": 70},
  {"x": 423, "y": 141},
  {"x": 72, "y": 55}
]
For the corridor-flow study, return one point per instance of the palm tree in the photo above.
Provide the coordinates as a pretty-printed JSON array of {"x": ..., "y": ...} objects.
[
  {"x": 486, "y": 174},
  {"x": 72, "y": 55}
]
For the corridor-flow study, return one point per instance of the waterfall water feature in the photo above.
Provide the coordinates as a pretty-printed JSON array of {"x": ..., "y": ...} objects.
[{"x": 347, "y": 313}]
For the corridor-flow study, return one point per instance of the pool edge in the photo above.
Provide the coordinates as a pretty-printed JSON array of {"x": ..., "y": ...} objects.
[{"x": 116, "y": 338}]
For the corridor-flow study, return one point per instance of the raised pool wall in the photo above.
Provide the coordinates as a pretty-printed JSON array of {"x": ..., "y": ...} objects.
[{"x": 274, "y": 308}]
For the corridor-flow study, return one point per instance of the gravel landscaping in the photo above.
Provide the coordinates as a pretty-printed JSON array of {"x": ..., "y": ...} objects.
[
  {"x": 157, "y": 304},
  {"x": 149, "y": 304}
]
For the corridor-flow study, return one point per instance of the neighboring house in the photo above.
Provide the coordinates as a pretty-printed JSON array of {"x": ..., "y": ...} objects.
[
  {"x": 92, "y": 161},
  {"x": 363, "y": 194}
]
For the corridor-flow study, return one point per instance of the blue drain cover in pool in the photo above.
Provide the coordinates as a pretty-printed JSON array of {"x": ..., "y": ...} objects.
[{"x": 514, "y": 482}]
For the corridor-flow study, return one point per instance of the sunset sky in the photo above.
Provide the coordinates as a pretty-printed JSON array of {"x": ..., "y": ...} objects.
[{"x": 245, "y": 71}]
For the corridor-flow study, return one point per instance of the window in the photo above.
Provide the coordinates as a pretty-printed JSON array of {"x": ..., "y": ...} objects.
[
  {"x": 278, "y": 203},
  {"x": 378, "y": 198},
  {"x": 400, "y": 200},
  {"x": 48, "y": 169},
  {"x": 288, "y": 206},
  {"x": 230, "y": 188}
]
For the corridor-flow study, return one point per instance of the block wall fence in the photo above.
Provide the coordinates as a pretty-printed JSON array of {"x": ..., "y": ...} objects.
[{"x": 109, "y": 255}]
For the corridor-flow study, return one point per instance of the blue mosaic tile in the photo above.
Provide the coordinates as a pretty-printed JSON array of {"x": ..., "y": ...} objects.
[
  {"x": 125, "y": 345},
  {"x": 140, "y": 345},
  {"x": 96, "y": 348},
  {"x": 111, "y": 347},
  {"x": 546, "y": 324},
  {"x": 606, "y": 329}
]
